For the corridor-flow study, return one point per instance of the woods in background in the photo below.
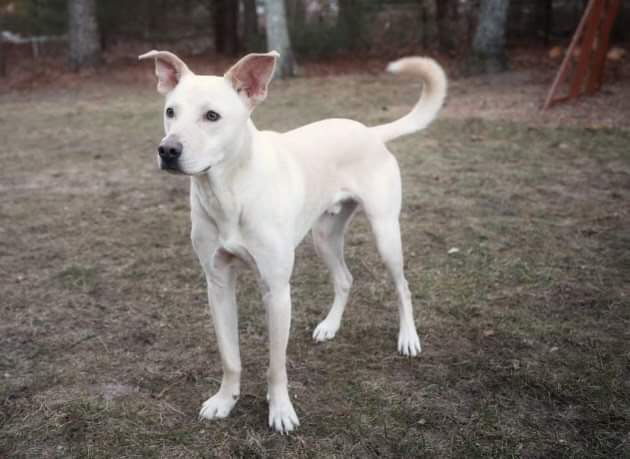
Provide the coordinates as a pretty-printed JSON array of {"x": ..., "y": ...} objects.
[
  {"x": 475, "y": 29},
  {"x": 278, "y": 37},
  {"x": 84, "y": 48},
  {"x": 488, "y": 49}
]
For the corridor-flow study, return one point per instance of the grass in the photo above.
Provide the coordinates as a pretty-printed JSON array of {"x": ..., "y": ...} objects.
[
  {"x": 107, "y": 348},
  {"x": 78, "y": 278}
]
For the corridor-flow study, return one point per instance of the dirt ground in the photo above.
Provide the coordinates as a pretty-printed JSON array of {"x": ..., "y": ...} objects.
[{"x": 107, "y": 347}]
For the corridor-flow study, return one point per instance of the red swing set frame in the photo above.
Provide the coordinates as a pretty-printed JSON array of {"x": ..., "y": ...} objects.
[{"x": 593, "y": 38}]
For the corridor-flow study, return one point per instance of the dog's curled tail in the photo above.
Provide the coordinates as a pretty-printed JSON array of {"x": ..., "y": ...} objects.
[{"x": 431, "y": 100}]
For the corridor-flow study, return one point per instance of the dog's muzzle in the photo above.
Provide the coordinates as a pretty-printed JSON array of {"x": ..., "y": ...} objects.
[{"x": 169, "y": 152}]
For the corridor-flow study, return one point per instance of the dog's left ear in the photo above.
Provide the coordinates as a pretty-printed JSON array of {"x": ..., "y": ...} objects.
[{"x": 251, "y": 75}]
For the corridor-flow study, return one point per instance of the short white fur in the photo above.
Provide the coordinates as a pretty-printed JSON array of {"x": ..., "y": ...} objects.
[{"x": 254, "y": 195}]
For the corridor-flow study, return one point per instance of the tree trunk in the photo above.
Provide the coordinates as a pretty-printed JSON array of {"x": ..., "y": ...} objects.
[
  {"x": 349, "y": 23},
  {"x": 446, "y": 12},
  {"x": 548, "y": 21},
  {"x": 296, "y": 14},
  {"x": 250, "y": 26},
  {"x": 83, "y": 36},
  {"x": 278, "y": 37},
  {"x": 225, "y": 14},
  {"x": 488, "y": 52},
  {"x": 3, "y": 58}
]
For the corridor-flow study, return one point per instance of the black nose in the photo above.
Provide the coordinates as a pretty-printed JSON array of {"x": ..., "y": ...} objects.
[{"x": 170, "y": 150}]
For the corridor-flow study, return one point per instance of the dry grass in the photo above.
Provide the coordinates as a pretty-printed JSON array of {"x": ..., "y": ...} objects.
[{"x": 106, "y": 345}]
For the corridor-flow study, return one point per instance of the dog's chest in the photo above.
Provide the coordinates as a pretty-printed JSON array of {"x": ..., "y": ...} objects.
[{"x": 220, "y": 207}]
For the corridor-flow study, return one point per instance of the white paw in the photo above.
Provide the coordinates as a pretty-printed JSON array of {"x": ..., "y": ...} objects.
[
  {"x": 327, "y": 329},
  {"x": 409, "y": 343},
  {"x": 282, "y": 417},
  {"x": 218, "y": 406}
]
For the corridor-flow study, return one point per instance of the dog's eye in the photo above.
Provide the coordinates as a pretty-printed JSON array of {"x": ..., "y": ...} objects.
[
  {"x": 170, "y": 113},
  {"x": 211, "y": 115}
]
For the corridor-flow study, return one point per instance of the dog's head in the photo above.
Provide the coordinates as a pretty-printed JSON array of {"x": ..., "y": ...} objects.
[{"x": 205, "y": 116}]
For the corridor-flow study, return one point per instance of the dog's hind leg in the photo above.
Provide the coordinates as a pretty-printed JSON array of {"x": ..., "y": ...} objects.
[
  {"x": 382, "y": 207},
  {"x": 387, "y": 233},
  {"x": 328, "y": 234}
]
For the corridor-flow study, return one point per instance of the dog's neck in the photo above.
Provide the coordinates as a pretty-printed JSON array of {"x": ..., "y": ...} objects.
[
  {"x": 237, "y": 158},
  {"x": 215, "y": 189}
]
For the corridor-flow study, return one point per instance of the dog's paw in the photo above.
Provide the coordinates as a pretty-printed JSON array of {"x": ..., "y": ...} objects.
[
  {"x": 409, "y": 343},
  {"x": 327, "y": 329},
  {"x": 218, "y": 406},
  {"x": 282, "y": 417}
]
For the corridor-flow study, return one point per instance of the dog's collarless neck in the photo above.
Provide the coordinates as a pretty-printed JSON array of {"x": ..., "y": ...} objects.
[{"x": 217, "y": 189}]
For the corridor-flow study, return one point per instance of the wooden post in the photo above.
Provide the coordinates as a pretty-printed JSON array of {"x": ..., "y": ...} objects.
[
  {"x": 584, "y": 59},
  {"x": 593, "y": 34},
  {"x": 597, "y": 75},
  {"x": 564, "y": 67}
]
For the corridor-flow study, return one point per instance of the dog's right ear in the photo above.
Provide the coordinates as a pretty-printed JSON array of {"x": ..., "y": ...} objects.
[{"x": 169, "y": 69}]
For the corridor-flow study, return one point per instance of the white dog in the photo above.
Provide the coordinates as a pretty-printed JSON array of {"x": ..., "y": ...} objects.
[{"x": 255, "y": 194}]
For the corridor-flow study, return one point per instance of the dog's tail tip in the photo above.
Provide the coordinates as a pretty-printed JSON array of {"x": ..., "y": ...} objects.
[
  {"x": 394, "y": 67},
  {"x": 433, "y": 93},
  {"x": 148, "y": 54},
  {"x": 414, "y": 65}
]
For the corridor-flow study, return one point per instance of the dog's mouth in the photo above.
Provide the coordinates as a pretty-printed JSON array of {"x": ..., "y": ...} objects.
[
  {"x": 174, "y": 167},
  {"x": 170, "y": 168}
]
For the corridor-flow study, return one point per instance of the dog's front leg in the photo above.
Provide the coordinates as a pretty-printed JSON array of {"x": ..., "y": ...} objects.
[
  {"x": 275, "y": 276},
  {"x": 221, "y": 279}
]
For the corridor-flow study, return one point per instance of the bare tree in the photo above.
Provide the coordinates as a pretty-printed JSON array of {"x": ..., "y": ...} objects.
[
  {"x": 278, "y": 37},
  {"x": 488, "y": 51},
  {"x": 349, "y": 22},
  {"x": 225, "y": 15},
  {"x": 548, "y": 20},
  {"x": 250, "y": 25},
  {"x": 447, "y": 17},
  {"x": 3, "y": 61},
  {"x": 83, "y": 37}
]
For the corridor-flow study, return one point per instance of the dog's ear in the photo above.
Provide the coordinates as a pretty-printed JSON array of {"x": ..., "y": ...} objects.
[
  {"x": 169, "y": 69},
  {"x": 251, "y": 75}
]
